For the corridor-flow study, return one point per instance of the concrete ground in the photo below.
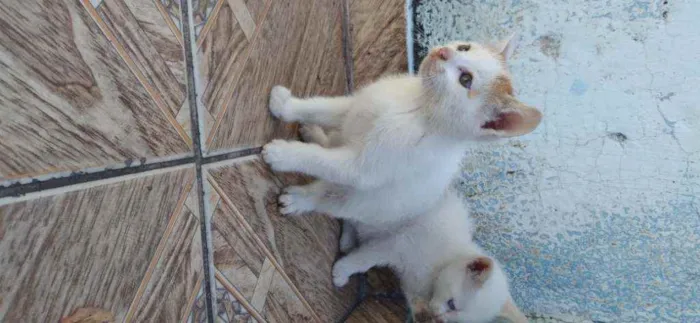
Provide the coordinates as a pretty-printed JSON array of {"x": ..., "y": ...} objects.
[{"x": 595, "y": 214}]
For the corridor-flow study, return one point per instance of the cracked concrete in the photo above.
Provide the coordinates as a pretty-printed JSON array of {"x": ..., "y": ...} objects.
[{"x": 595, "y": 214}]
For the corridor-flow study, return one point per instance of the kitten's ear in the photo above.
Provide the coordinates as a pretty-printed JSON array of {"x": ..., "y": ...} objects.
[
  {"x": 480, "y": 269},
  {"x": 513, "y": 119},
  {"x": 507, "y": 46}
]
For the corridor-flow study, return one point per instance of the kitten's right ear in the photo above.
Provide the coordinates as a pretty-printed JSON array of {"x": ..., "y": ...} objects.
[
  {"x": 507, "y": 46},
  {"x": 513, "y": 119},
  {"x": 480, "y": 269}
]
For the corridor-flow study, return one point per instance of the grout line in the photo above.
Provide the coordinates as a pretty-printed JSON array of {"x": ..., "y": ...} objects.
[
  {"x": 57, "y": 172},
  {"x": 21, "y": 189},
  {"x": 188, "y": 35},
  {"x": 231, "y": 155},
  {"x": 347, "y": 48}
]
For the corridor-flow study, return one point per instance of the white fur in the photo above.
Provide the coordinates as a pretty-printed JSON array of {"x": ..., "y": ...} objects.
[
  {"x": 384, "y": 158},
  {"x": 388, "y": 163},
  {"x": 389, "y": 151},
  {"x": 430, "y": 254}
]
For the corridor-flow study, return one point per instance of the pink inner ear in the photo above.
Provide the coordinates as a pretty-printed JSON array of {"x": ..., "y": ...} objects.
[
  {"x": 479, "y": 265},
  {"x": 504, "y": 121}
]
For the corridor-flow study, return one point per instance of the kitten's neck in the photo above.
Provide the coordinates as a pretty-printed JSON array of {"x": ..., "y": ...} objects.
[{"x": 444, "y": 116}]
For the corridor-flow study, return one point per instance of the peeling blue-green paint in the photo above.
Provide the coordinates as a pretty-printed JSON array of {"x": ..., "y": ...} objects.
[{"x": 597, "y": 213}]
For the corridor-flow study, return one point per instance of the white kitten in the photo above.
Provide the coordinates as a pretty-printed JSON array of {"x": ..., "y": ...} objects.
[
  {"x": 390, "y": 151},
  {"x": 436, "y": 261}
]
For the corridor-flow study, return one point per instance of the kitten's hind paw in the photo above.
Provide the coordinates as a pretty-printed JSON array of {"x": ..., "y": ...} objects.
[
  {"x": 347, "y": 242},
  {"x": 341, "y": 273},
  {"x": 313, "y": 134},
  {"x": 279, "y": 97},
  {"x": 296, "y": 200}
]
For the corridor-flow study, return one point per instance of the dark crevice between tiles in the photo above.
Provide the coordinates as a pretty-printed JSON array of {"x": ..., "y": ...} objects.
[
  {"x": 196, "y": 146},
  {"x": 78, "y": 177},
  {"x": 231, "y": 155},
  {"x": 347, "y": 48},
  {"x": 419, "y": 50}
]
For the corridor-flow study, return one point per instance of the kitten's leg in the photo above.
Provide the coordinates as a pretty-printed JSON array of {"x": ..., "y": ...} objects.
[
  {"x": 314, "y": 134},
  {"x": 336, "y": 165},
  {"x": 300, "y": 199},
  {"x": 323, "y": 111},
  {"x": 348, "y": 237},
  {"x": 366, "y": 256}
]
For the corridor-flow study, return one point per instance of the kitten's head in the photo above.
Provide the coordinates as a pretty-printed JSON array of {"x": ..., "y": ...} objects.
[
  {"x": 470, "y": 289},
  {"x": 473, "y": 85}
]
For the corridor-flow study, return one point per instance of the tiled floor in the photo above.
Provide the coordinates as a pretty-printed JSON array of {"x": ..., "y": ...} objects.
[{"x": 100, "y": 197}]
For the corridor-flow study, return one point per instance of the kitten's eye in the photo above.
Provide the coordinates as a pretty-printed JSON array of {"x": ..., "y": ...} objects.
[
  {"x": 466, "y": 80},
  {"x": 451, "y": 304},
  {"x": 464, "y": 48}
]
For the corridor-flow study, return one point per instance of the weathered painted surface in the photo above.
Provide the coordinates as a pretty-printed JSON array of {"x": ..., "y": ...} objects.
[{"x": 597, "y": 213}]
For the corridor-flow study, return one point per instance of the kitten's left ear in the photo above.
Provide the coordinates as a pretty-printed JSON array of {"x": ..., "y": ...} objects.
[
  {"x": 513, "y": 118},
  {"x": 480, "y": 269},
  {"x": 507, "y": 46}
]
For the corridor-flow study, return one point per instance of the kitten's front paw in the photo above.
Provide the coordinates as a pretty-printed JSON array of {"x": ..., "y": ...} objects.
[
  {"x": 279, "y": 97},
  {"x": 341, "y": 273},
  {"x": 279, "y": 154},
  {"x": 296, "y": 200}
]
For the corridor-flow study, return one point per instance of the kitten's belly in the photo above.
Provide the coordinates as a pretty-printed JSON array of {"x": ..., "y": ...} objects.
[{"x": 396, "y": 202}]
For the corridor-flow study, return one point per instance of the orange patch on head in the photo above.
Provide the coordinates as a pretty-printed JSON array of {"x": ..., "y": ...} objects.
[
  {"x": 472, "y": 93},
  {"x": 502, "y": 86}
]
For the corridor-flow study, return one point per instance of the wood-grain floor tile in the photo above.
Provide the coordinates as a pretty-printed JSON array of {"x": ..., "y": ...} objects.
[
  {"x": 379, "y": 311},
  {"x": 229, "y": 309},
  {"x": 303, "y": 247},
  {"x": 164, "y": 36},
  {"x": 220, "y": 59},
  {"x": 298, "y": 44},
  {"x": 69, "y": 102},
  {"x": 236, "y": 254},
  {"x": 198, "y": 312},
  {"x": 378, "y": 39},
  {"x": 177, "y": 277},
  {"x": 381, "y": 280},
  {"x": 283, "y": 305},
  {"x": 142, "y": 31},
  {"x": 89, "y": 247},
  {"x": 202, "y": 10},
  {"x": 172, "y": 10}
]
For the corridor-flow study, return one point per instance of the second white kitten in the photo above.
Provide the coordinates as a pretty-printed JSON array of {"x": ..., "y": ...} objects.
[{"x": 437, "y": 262}]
